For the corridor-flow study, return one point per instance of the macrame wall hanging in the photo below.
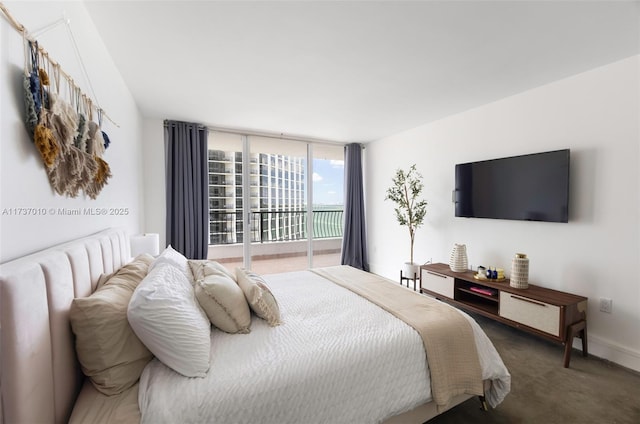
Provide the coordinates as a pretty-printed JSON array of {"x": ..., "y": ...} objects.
[{"x": 64, "y": 123}]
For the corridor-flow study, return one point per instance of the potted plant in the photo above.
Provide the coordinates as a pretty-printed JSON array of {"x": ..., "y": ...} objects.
[{"x": 405, "y": 191}]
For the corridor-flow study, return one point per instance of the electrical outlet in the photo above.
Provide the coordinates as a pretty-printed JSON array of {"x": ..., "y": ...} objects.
[{"x": 606, "y": 305}]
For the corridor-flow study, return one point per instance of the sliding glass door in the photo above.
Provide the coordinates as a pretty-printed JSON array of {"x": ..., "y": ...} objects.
[
  {"x": 328, "y": 203},
  {"x": 226, "y": 192},
  {"x": 279, "y": 212},
  {"x": 260, "y": 190}
]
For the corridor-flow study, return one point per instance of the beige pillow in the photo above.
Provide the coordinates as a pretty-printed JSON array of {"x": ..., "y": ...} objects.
[
  {"x": 198, "y": 269},
  {"x": 223, "y": 301},
  {"x": 260, "y": 298},
  {"x": 110, "y": 354},
  {"x": 103, "y": 279}
]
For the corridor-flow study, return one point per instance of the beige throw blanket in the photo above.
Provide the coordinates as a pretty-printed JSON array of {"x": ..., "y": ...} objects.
[{"x": 447, "y": 336}]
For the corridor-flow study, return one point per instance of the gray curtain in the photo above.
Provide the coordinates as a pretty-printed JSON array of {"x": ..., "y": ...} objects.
[
  {"x": 354, "y": 241},
  {"x": 187, "y": 171}
]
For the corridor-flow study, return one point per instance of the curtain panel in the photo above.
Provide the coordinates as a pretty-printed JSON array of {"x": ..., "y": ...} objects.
[
  {"x": 187, "y": 180},
  {"x": 354, "y": 241}
]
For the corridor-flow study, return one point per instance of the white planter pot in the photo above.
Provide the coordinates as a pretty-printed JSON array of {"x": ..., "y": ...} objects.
[{"x": 411, "y": 269}]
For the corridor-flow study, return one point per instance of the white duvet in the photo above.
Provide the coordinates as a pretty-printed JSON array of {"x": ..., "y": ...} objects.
[{"x": 337, "y": 358}]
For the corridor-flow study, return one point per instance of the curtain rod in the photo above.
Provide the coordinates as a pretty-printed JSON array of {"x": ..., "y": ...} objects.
[
  {"x": 23, "y": 30},
  {"x": 280, "y": 136}
]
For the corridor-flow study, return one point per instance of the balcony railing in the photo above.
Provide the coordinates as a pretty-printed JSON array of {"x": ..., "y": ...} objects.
[{"x": 271, "y": 226}]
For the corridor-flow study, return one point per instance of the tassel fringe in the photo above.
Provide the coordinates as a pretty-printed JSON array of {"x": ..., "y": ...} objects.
[{"x": 46, "y": 145}]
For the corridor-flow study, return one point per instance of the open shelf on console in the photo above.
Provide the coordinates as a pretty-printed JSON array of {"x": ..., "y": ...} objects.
[{"x": 477, "y": 301}]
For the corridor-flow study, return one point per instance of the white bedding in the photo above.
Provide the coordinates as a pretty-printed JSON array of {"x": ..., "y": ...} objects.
[{"x": 336, "y": 358}]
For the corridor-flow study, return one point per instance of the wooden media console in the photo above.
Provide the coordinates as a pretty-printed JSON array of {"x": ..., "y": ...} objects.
[{"x": 548, "y": 313}]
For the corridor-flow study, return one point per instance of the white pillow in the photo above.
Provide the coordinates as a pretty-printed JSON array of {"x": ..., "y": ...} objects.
[
  {"x": 174, "y": 258},
  {"x": 166, "y": 317}
]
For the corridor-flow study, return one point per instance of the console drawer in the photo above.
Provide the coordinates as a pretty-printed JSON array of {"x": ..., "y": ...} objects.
[
  {"x": 437, "y": 283},
  {"x": 539, "y": 315}
]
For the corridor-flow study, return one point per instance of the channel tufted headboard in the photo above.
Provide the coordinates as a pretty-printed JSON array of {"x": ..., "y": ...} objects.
[{"x": 39, "y": 374}]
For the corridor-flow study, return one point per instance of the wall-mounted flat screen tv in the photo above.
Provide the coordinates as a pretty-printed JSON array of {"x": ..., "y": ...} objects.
[{"x": 532, "y": 187}]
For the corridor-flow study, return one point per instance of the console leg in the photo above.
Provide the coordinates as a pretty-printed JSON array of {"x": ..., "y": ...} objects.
[
  {"x": 577, "y": 329},
  {"x": 585, "y": 349},
  {"x": 483, "y": 403}
]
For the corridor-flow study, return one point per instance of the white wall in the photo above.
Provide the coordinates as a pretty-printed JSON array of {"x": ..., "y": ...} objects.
[
  {"x": 597, "y": 254},
  {"x": 155, "y": 203},
  {"x": 23, "y": 181}
]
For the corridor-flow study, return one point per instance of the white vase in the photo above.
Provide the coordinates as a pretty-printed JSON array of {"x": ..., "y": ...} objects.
[
  {"x": 458, "y": 261},
  {"x": 519, "y": 278}
]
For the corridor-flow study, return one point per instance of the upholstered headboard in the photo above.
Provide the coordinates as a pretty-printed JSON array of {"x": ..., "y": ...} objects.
[{"x": 39, "y": 374}]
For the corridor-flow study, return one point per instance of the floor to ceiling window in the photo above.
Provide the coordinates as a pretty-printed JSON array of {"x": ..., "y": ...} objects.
[
  {"x": 327, "y": 191},
  {"x": 259, "y": 192}
]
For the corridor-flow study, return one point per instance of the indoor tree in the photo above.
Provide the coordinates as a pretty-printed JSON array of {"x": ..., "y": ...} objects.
[{"x": 410, "y": 210}]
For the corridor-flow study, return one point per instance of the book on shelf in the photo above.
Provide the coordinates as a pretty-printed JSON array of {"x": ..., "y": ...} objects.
[{"x": 484, "y": 290}]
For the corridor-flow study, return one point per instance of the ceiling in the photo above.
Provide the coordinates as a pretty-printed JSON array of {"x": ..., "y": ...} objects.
[{"x": 351, "y": 70}]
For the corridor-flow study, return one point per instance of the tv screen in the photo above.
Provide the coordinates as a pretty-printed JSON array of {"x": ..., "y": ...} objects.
[{"x": 531, "y": 187}]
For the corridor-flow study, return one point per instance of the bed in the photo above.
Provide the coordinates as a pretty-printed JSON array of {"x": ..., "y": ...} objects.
[{"x": 379, "y": 375}]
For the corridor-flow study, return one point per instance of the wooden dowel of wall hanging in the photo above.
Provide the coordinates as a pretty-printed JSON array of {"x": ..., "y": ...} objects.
[{"x": 17, "y": 25}]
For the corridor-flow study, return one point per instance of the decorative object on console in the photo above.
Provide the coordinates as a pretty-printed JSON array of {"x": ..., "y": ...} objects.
[
  {"x": 410, "y": 211},
  {"x": 519, "y": 271},
  {"x": 458, "y": 261},
  {"x": 489, "y": 274}
]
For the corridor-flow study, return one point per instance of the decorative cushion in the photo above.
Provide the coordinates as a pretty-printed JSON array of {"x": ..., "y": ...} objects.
[
  {"x": 198, "y": 265},
  {"x": 174, "y": 258},
  {"x": 165, "y": 315},
  {"x": 221, "y": 298},
  {"x": 260, "y": 298},
  {"x": 110, "y": 353},
  {"x": 104, "y": 278}
]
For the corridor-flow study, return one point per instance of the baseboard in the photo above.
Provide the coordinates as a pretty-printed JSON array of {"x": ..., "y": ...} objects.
[{"x": 610, "y": 351}]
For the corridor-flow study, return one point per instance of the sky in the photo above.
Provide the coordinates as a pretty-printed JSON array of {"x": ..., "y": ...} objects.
[{"x": 328, "y": 182}]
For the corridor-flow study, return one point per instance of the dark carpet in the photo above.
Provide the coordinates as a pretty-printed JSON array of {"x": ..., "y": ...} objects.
[{"x": 542, "y": 391}]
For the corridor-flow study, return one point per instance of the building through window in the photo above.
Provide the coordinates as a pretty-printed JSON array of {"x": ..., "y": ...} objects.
[{"x": 277, "y": 195}]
